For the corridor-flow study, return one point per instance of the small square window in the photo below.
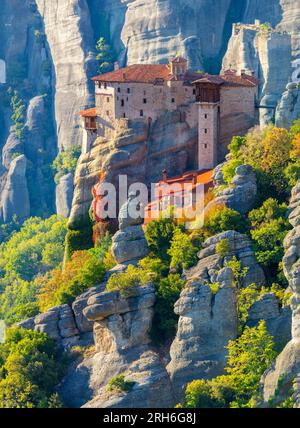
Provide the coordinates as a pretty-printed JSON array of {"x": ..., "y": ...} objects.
[
  {"x": 105, "y": 85},
  {"x": 141, "y": 113},
  {"x": 205, "y": 116},
  {"x": 107, "y": 113},
  {"x": 124, "y": 115},
  {"x": 205, "y": 130},
  {"x": 205, "y": 146},
  {"x": 122, "y": 103},
  {"x": 119, "y": 90},
  {"x": 194, "y": 91},
  {"x": 107, "y": 99},
  {"x": 145, "y": 100},
  {"x": 128, "y": 90},
  {"x": 99, "y": 85},
  {"x": 173, "y": 100}
]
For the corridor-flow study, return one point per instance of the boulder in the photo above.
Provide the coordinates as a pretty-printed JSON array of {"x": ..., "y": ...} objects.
[
  {"x": 207, "y": 322},
  {"x": 240, "y": 195}
]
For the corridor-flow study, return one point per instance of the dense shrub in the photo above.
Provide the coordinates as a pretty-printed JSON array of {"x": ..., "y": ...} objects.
[
  {"x": 220, "y": 219},
  {"x": 29, "y": 370},
  {"x": 85, "y": 269},
  {"x": 159, "y": 235},
  {"x": 165, "y": 320},
  {"x": 249, "y": 356},
  {"x": 66, "y": 162},
  {"x": 120, "y": 384},
  {"x": 126, "y": 281},
  {"x": 80, "y": 236},
  {"x": 28, "y": 252},
  {"x": 182, "y": 251}
]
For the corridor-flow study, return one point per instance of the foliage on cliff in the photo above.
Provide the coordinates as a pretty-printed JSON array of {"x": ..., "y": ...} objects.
[
  {"x": 29, "y": 370},
  {"x": 66, "y": 162},
  {"x": 249, "y": 356}
]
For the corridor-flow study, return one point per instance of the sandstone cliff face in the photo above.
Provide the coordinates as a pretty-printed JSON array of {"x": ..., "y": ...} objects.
[
  {"x": 278, "y": 379},
  {"x": 138, "y": 150}
]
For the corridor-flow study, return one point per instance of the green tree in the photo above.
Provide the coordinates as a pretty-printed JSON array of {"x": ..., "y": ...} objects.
[
  {"x": 105, "y": 56},
  {"x": 159, "y": 235},
  {"x": 182, "y": 251},
  {"x": 66, "y": 162}
]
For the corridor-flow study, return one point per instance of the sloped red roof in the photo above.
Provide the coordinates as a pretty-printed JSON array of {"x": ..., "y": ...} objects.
[
  {"x": 88, "y": 113},
  {"x": 142, "y": 73},
  {"x": 229, "y": 79}
]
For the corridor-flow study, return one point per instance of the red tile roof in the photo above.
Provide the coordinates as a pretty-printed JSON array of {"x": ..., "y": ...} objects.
[
  {"x": 141, "y": 73},
  {"x": 229, "y": 79},
  {"x": 88, "y": 113}
]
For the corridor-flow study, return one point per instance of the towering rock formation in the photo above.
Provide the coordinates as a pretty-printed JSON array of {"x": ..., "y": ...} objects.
[
  {"x": 277, "y": 381},
  {"x": 267, "y": 54}
]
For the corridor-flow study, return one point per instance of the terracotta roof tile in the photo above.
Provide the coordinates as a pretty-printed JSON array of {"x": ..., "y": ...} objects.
[
  {"x": 88, "y": 113},
  {"x": 179, "y": 60},
  {"x": 142, "y": 73},
  {"x": 229, "y": 79}
]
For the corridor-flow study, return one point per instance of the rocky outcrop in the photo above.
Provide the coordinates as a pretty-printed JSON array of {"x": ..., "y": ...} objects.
[
  {"x": 265, "y": 53},
  {"x": 139, "y": 150},
  {"x": 129, "y": 243},
  {"x": 278, "y": 379},
  {"x": 121, "y": 333},
  {"x": 58, "y": 323},
  {"x": 70, "y": 37},
  {"x": 14, "y": 201},
  {"x": 210, "y": 262},
  {"x": 288, "y": 109},
  {"x": 64, "y": 195},
  {"x": 207, "y": 322},
  {"x": 278, "y": 320},
  {"x": 240, "y": 195}
]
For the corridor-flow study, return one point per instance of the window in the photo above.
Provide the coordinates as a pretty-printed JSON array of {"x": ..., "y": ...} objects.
[
  {"x": 145, "y": 100},
  {"x": 194, "y": 91},
  {"x": 144, "y": 92},
  {"x": 205, "y": 146},
  {"x": 128, "y": 90},
  {"x": 205, "y": 116},
  {"x": 141, "y": 113},
  {"x": 205, "y": 130},
  {"x": 119, "y": 90},
  {"x": 107, "y": 99},
  {"x": 122, "y": 103},
  {"x": 105, "y": 85},
  {"x": 173, "y": 100},
  {"x": 107, "y": 113},
  {"x": 99, "y": 85},
  {"x": 124, "y": 115}
]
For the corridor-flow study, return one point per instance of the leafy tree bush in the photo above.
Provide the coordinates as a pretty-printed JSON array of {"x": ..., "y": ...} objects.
[
  {"x": 66, "y": 162},
  {"x": 249, "y": 356},
  {"x": 60, "y": 286},
  {"x": 220, "y": 219},
  {"x": 105, "y": 56},
  {"x": 159, "y": 235},
  {"x": 269, "y": 226},
  {"x": 182, "y": 251},
  {"x": 18, "y": 301},
  {"x": 120, "y": 384},
  {"x": 29, "y": 371},
  {"x": 79, "y": 236},
  {"x": 26, "y": 254},
  {"x": 18, "y": 113},
  {"x": 126, "y": 281},
  {"x": 165, "y": 320}
]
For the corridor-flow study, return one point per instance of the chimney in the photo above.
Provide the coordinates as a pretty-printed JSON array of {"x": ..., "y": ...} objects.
[
  {"x": 165, "y": 175},
  {"x": 116, "y": 66}
]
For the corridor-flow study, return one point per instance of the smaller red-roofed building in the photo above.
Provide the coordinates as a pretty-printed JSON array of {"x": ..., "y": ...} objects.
[{"x": 89, "y": 126}]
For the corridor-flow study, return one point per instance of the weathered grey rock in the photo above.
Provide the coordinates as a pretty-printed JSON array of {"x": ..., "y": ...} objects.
[
  {"x": 129, "y": 243},
  {"x": 12, "y": 148},
  {"x": 240, "y": 195},
  {"x": 210, "y": 262},
  {"x": 267, "y": 54},
  {"x": 14, "y": 199},
  {"x": 278, "y": 320},
  {"x": 58, "y": 323},
  {"x": 64, "y": 195},
  {"x": 278, "y": 379},
  {"x": 207, "y": 322},
  {"x": 121, "y": 333},
  {"x": 80, "y": 303}
]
